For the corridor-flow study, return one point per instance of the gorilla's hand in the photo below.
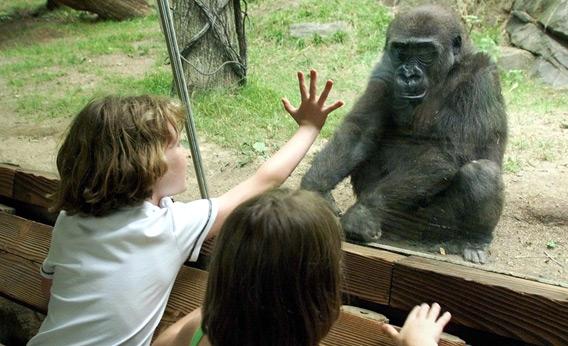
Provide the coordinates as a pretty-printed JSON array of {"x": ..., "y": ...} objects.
[{"x": 361, "y": 224}]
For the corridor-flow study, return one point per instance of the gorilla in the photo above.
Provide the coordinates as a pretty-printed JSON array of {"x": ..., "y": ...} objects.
[{"x": 424, "y": 144}]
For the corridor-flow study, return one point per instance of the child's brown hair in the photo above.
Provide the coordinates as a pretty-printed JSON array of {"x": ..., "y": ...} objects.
[
  {"x": 113, "y": 153},
  {"x": 275, "y": 273}
]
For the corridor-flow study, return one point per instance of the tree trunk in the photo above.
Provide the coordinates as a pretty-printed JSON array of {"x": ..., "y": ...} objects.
[
  {"x": 212, "y": 42},
  {"x": 110, "y": 9}
]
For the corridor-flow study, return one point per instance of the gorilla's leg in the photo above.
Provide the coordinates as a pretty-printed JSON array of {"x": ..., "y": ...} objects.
[
  {"x": 387, "y": 199},
  {"x": 468, "y": 211}
]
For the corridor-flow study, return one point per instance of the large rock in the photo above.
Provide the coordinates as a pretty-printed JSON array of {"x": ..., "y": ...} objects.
[
  {"x": 511, "y": 58},
  {"x": 552, "y": 14},
  {"x": 531, "y": 34},
  {"x": 551, "y": 74}
]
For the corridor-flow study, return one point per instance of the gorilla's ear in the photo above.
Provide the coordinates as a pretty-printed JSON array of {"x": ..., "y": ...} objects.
[{"x": 456, "y": 45}]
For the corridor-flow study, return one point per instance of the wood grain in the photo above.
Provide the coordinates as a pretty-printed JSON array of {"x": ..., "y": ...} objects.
[
  {"x": 368, "y": 272},
  {"x": 521, "y": 309},
  {"x": 7, "y": 173},
  {"x": 34, "y": 188},
  {"x": 27, "y": 186}
]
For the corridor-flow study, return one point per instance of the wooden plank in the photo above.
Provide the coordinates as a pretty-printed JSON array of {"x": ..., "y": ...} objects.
[
  {"x": 23, "y": 246},
  {"x": 20, "y": 280},
  {"x": 354, "y": 330},
  {"x": 368, "y": 272},
  {"x": 7, "y": 173},
  {"x": 517, "y": 308},
  {"x": 23, "y": 237},
  {"x": 27, "y": 186},
  {"x": 34, "y": 187},
  {"x": 187, "y": 295}
]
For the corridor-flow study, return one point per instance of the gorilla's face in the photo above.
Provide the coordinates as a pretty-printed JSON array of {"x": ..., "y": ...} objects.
[{"x": 413, "y": 62}]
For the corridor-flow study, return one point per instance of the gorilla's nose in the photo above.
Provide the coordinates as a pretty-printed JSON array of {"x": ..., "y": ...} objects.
[{"x": 411, "y": 75}]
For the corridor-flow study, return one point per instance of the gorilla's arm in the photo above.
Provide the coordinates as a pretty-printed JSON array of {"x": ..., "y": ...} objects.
[
  {"x": 476, "y": 122},
  {"x": 351, "y": 143}
]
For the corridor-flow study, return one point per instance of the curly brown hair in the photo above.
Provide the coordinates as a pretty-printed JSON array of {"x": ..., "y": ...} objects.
[
  {"x": 113, "y": 153},
  {"x": 275, "y": 273}
]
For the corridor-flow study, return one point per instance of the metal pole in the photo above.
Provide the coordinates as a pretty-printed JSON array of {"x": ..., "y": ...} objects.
[{"x": 181, "y": 86}]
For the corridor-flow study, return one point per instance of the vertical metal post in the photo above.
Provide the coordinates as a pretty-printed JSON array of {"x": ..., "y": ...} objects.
[{"x": 181, "y": 86}]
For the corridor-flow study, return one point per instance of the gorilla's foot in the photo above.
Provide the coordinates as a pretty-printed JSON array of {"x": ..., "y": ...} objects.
[
  {"x": 360, "y": 224},
  {"x": 475, "y": 253}
]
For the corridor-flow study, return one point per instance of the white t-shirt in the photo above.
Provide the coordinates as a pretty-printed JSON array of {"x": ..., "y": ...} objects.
[{"x": 112, "y": 275}]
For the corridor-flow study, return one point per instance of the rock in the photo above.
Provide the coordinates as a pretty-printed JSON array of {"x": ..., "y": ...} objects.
[
  {"x": 552, "y": 64},
  {"x": 302, "y": 30},
  {"x": 551, "y": 14},
  {"x": 550, "y": 74},
  {"x": 511, "y": 58},
  {"x": 507, "y": 5},
  {"x": 530, "y": 37}
]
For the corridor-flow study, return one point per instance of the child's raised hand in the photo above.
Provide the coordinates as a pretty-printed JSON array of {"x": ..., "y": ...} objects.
[
  {"x": 422, "y": 326},
  {"x": 312, "y": 110}
]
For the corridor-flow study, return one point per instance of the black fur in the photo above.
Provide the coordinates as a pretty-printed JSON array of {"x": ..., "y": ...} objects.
[{"x": 429, "y": 163}]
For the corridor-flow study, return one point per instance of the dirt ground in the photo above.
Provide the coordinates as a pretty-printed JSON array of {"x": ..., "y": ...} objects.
[{"x": 531, "y": 239}]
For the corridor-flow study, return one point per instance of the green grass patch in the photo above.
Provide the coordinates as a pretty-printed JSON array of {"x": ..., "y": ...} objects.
[{"x": 65, "y": 44}]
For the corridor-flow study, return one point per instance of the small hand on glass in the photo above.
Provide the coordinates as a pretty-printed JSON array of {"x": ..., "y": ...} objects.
[{"x": 312, "y": 110}]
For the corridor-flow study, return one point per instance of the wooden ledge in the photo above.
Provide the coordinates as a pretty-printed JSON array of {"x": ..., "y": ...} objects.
[
  {"x": 27, "y": 186},
  {"x": 512, "y": 307}
]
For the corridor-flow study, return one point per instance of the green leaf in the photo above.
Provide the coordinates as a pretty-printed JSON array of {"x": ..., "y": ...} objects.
[
  {"x": 259, "y": 147},
  {"x": 551, "y": 244}
]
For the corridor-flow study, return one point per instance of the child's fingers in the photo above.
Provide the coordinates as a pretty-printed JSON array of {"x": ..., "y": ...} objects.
[
  {"x": 444, "y": 319},
  {"x": 434, "y": 311},
  {"x": 389, "y": 330},
  {"x": 288, "y": 106},
  {"x": 332, "y": 107},
  {"x": 413, "y": 313},
  {"x": 325, "y": 92},
  {"x": 423, "y": 312},
  {"x": 303, "y": 91},
  {"x": 313, "y": 81}
]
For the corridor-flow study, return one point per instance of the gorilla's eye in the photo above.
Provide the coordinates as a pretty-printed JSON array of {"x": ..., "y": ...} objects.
[
  {"x": 427, "y": 57},
  {"x": 457, "y": 42},
  {"x": 400, "y": 55}
]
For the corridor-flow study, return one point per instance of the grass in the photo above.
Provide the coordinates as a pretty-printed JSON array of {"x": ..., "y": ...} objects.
[{"x": 45, "y": 53}]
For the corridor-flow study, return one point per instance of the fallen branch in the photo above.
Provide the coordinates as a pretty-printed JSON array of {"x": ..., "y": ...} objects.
[{"x": 553, "y": 259}]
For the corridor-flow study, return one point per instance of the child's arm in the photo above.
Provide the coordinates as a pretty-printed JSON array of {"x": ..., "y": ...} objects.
[
  {"x": 310, "y": 116},
  {"x": 421, "y": 328},
  {"x": 181, "y": 332}
]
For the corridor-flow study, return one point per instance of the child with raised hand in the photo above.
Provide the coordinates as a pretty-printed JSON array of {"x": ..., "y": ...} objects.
[
  {"x": 421, "y": 328},
  {"x": 120, "y": 240}
]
